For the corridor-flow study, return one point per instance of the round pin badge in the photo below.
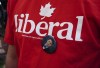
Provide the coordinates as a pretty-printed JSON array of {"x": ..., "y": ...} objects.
[{"x": 49, "y": 44}]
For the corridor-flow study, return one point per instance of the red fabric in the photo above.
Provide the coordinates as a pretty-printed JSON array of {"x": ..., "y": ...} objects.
[{"x": 69, "y": 53}]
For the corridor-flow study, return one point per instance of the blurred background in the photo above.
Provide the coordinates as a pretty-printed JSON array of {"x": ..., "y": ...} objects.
[{"x": 3, "y": 19}]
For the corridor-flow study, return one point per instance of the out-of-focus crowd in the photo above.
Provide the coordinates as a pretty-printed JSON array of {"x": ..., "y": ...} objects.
[{"x": 3, "y": 19}]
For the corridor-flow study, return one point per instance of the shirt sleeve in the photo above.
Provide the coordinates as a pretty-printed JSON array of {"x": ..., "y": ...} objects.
[{"x": 9, "y": 32}]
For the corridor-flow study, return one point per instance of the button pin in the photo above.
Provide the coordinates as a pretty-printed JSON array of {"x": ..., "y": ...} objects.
[{"x": 49, "y": 44}]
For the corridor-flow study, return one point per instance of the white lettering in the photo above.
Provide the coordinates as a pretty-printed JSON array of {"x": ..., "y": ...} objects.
[
  {"x": 38, "y": 28},
  {"x": 25, "y": 24},
  {"x": 69, "y": 31},
  {"x": 79, "y": 28},
  {"x": 52, "y": 25},
  {"x": 49, "y": 27},
  {"x": 15, "y": 17}
]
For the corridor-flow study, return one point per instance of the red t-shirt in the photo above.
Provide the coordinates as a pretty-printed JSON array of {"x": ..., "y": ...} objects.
[{"x": 75, "y": 25}]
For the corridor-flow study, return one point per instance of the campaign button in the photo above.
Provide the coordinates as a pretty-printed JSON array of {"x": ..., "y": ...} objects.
[{"x": 49, "y": 44}]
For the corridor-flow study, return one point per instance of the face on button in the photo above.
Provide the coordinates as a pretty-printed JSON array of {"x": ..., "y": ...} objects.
[{"x": 49, "y": 44}]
